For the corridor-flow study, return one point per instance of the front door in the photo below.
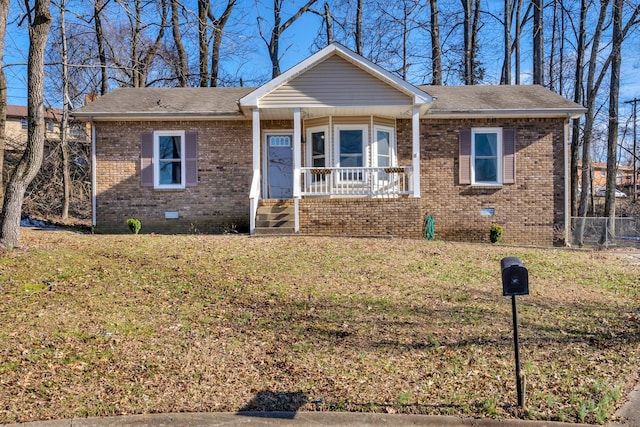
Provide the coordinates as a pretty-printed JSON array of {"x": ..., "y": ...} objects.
[{"x": 280, "y": 166}]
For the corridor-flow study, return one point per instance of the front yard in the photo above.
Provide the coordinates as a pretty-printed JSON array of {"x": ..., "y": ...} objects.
[{"x": 102, "y": 325}]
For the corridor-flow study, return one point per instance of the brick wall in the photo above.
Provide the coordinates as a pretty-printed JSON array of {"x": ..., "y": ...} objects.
[
  {"x": 527, "y": 210},
  {"x": 218, "y": 202},
  {"x": 361, "y": 217}
]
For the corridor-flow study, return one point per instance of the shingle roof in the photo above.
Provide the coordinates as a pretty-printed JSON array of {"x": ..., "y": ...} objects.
[
  {"x": 20, "y": 111},
  {"x": 467, "y": 99},
  {"x": 167, "y": 101},
  {"x": 210, "y": 102}
]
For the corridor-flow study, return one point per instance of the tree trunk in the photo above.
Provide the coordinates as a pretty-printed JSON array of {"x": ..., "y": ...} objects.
[
  {"x": 612, "y": 139},
  {"x": 538, "y": 43},
  {"x": 593, "y": 85},
  {"x": 467, "y": 67},
  {"x": 64, "y": 142},
  {"x": 329, "y": 23},
  {"x": 30, "y": 163},
  {"x": 506, "y": 65},
  {"x": 102, "y": 56},
  {"x": 274, "y": 43},
  {"x": 203, "y": 46},
  {"x": 577, "y": 98},
  {"x": 516, "y": 43},
  {"x": 4, "y": 12},
  {"x": 183, "y": 65},
  {"x": 218, "y": 27},
  {"x": 358, "y": 35},
  {"x": 436, "y": 52}
]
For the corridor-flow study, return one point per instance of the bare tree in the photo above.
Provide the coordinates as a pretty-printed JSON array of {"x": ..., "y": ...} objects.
[
  {"x": 505, "y": 78},
  {"x": 358, "y": 33},
  {"x": 98, "y": 7},
  {"x": 577, "y": 98},
  {"x": 64, "y": 142},
  {"x": 538, "y": 42},
  {"x": 183, "y": 64},
  {"x": 39, "y": 20},
  {"x": 218, "y": 27},
  {"x": 4, "y": 12},
  {"x": 273, "y": 44},
  {"x": 472, "y": 72},
  {"x": 612, "y": 140},
  {"x": 436, "y": 49}
]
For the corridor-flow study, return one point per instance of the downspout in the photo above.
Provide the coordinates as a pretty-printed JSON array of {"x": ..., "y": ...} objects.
[
  {"x": 415, "y": 137},
  {"x": 93, "y": 174},
  {"x": 567, "y": 195}
]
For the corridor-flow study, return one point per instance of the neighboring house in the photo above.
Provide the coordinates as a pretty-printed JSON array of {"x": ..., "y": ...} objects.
[
  {"x": 334, "y": 146},
  {"x": 17, "y": 123},
  {"x": 624, "y": 175}
]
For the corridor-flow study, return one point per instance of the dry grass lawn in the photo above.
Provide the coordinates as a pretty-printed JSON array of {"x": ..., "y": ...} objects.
[{"x": 104, "y": 325}]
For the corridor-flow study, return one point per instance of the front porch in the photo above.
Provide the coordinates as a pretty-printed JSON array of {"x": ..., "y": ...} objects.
[{"x": 398, "y": 217}]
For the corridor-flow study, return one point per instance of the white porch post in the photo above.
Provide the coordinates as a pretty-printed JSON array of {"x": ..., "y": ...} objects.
[
  {"x": 415, "y": 137},
  {"x": 297, "y": 164},
  {"x": 253, "y": 205}
]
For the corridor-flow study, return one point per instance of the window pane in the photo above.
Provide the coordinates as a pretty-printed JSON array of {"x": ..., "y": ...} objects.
[
  {"x": 170, "y": 173},
  {"x": 486, "y": 170},
  {"x": 317, "y": 143},
  {"x": 169, "y": 147},
  {"x": 486, "y": 144},
  {"x": 351, "y": 142},
  {"x": 347, "y": 161},
  {"x": 383, "y": 143}
]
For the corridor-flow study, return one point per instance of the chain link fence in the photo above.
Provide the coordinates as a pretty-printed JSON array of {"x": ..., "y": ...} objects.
[{"x": 602, "y": 231}]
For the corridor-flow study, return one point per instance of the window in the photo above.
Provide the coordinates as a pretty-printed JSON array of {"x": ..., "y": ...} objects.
[
  {"x": 23, "y": 123},
  {"x": 486, "y": 150},
  {"x": 168, "y": 160},
  {"x": 49, "y": 126},
  {"x": 384, "y": 149},
  {"x": 317, "y": 156},
  {"x": 351, "y": 141},
  {"x": 169, "y": 163},
  {"x": 487, "y": 156}
]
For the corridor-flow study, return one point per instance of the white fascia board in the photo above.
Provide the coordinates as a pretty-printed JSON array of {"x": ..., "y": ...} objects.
[{"x": 419, "y": 97}]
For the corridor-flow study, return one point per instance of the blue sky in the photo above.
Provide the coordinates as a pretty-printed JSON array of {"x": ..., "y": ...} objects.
[{"x": 296, "y": 46}]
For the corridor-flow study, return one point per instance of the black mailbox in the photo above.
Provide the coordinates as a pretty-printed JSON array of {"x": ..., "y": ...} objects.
[{"x": 515, "y": 277}]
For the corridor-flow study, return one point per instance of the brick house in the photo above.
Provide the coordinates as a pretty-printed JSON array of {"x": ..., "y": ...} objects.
[{"x": 334, "y": 146}]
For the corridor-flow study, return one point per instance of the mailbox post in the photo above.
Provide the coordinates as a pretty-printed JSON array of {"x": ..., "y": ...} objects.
[{"x": 515, "y": 281}]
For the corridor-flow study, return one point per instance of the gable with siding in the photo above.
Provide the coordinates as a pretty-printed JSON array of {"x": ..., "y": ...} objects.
[{"x": 335, "y": 82}]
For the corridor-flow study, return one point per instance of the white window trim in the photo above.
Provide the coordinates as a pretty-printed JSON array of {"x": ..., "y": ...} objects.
[
  {"x": 156, "y": 160},
  {"x": 365, "y": 141},
  {"x": 498, "y": 132},
  {"x": 393, "y": 154},
  {"x": 309, "y": 154}
]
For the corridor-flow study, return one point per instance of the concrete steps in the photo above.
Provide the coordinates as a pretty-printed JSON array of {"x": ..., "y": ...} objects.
[{"x": 275, "y": 220}]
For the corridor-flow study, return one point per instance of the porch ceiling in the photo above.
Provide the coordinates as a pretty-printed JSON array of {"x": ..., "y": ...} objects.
[{"x": 395, "y": 111}]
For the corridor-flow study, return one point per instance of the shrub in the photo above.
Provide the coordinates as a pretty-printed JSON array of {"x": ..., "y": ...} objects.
[
  {"x": 134, "y": 225},
  {"x": 495, "y": 233}
]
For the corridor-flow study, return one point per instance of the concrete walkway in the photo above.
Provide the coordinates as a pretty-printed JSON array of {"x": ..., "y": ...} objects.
[{"x": 628, "y": 415}]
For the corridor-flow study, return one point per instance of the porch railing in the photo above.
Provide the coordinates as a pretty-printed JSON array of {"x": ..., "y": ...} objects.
[{"x": 376, "y": 182}]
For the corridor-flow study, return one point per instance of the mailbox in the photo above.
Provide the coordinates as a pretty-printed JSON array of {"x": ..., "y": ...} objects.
[{"x": 515, "y": 277}]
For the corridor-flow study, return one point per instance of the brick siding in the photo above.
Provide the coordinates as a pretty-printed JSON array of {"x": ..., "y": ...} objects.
[
  {"x": 527, "y": 210},
  {"x": 220, "y": 201}
]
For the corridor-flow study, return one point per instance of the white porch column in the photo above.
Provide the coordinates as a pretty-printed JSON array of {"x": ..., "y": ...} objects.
[
  {"x": 297, "y": 163},
  {"x": 254, "y": 191},
  {"x": 256, "y": 140},
  {"x": 415, "y": 137}
]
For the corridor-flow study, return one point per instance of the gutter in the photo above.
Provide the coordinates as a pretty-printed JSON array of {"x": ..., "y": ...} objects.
[
  {"x": 159, "y": 116},
  {"x": 93, "y": 174},
  {"x": 508, "y": 113}
]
